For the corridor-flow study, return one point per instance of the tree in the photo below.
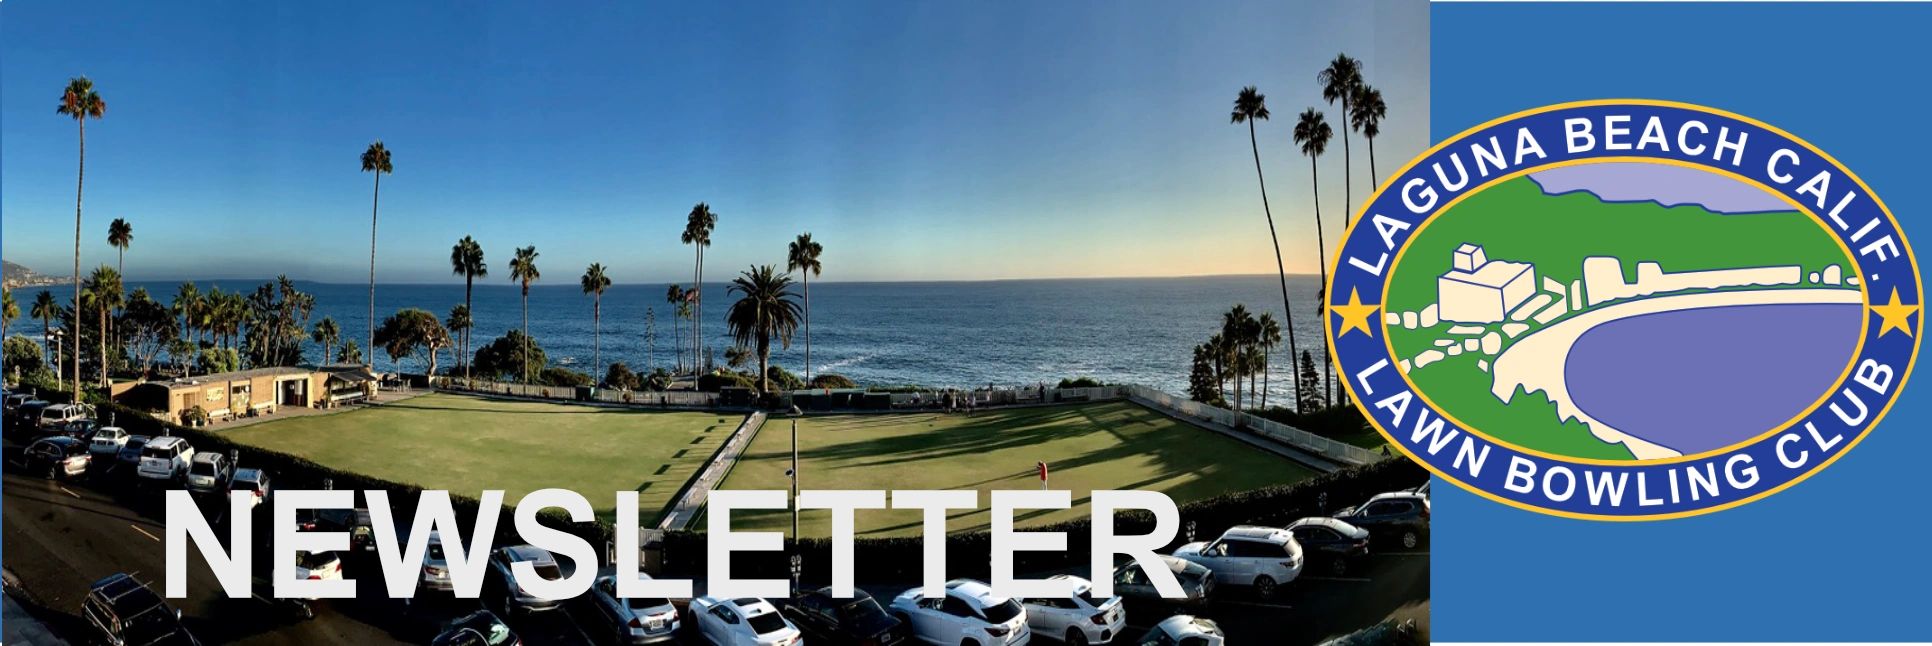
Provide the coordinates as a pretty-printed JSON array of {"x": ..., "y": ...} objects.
[
  {"x": 1307, "y": 376},
  {"x": 181, "y": 352},
  {"x": 350, "y": 354},
  {"x": 764, "y": 309},
  {"x": 120, "y": 234},
  {"x": 187, "y": 305},
  {"x": 1339, "y": 82},
  {"x": 1367, "y": 113},
  {"x": 46, "y": 309},
  {"x": 523, "y": 270},
  {"x": 328, "y": 334},
  {"x": 1312, "y": 134},
  {"x": 1239, "y": 330},
  {"x": 148, "y": 328},
  {"x": 505, "y": 357},
  {"x": 1251, "y": 106},
  {"x": 9, "y": 311},
  {"x": 1202, "y": 384},
  {"x": 466, "y": 260},
  {"x": 620, "y": 377},
  {"x": 697, "y": 233},
  {"x": 737, "y": 356},
  {"x": 1270, "y": 337},
  {"x": 81, "y": 102},
  {"x": 803, "y": 258},
  {"x": 413, "y": 331},
  {"x": 594, "y": 282},
  {"x": 676, "y": 297},
  {"x": 459, "y": 324},
  {"x": 103, "y": 295},
  {"x": 376, "y": 159},
  {"x": 22, "y": 355}
]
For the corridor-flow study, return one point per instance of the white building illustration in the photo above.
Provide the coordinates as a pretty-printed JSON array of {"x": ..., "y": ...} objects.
[{"x": 1480, "y": 290}]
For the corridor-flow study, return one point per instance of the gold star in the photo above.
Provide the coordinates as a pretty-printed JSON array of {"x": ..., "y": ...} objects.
[
  {"x": 1894, "y": 315},
  {"x": 1355, "y": 315}
]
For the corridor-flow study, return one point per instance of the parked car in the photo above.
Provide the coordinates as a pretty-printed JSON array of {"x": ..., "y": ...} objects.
[
  {"x": 318, "y": 566},
  {"x": 1388, "y": 632},
  {"x": 58, "y": 415},
  {"x": 1263, "y": 557},
  {"x": 1183, "y": 630},
  {"x": 743, "y": 622},
  {"x": 129, "y": 457},
  {"x": 165, "y": 459},
  {"x": 107, "y": 442},
  {"x": 80, "y": 429},
  {"x": 969, "y": 613},
  {"x": 1196, "y": 580},
  {"x": 1399, "y": 516},
  {"x": 252, "y": 483},
  {"x": 355, "y": 522},
  {"x": 13, "y": 401},
  {"x": 825, "y": 619},
  {"x": 636, "y": 620},
  {"x": 480, "y": 628},
  {"x": 1080, "y": 619},
  {"x": 516, "y": 599},
  {"x": 57, "y": 457},
  {"x": 27, "y": 415},
  {"x": 1330, "y": 544},
  {"x": 209, "y": 471},
  {"x": 123, "y": 612},
  {"x": 1424, "y": 489},
  {"x": 436, "y": 566}
]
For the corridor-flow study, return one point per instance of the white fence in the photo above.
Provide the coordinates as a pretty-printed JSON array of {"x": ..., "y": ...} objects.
[
  {"x": 673, "y": 399},
  {"x": 1334, "y": 450}
]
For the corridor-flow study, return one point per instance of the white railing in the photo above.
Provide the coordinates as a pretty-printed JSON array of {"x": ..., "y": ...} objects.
[
  {"x": 1332, "y": 449},
  {"x": 679, "y": 399}
]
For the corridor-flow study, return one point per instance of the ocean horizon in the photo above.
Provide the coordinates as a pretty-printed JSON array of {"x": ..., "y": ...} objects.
[{"x": 966, "y": 333}]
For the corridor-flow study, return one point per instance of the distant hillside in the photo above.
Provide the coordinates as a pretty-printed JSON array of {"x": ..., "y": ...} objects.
[{"x": 17, "y": 275}]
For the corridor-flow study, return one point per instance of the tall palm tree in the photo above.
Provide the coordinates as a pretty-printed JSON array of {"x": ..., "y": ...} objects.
[
  {"x": 523, "y": 270},
  {"x": 697, "y": 233},
  {"x": 764, "y": 309},
  {"x": 328, "y": 334},
  {"x": 675, "y": 296},
  {"x": 1238, "y": 329},
  {"x": 9, "y": 310},
  {"x": 803, "y": 258},
  {"x": 120, "y": 234},
  {"x": 594, "y": 283},
  {"x": 103, "y": 294},
  {"x": 1312, "y": 134},
  {"x": 459, "y": 321},
  {"x": 466, "y": 260},
  {"x": 1269, "y": 338},
  {"x": 375, "y": 159},
  {"x": 1339, "y": 82},
  {"x": 81, "y": 102},
  {"x": 46, "y": 309},
  {"x": 1368, "y": 112},
  {"x": 1251, "y": 106}
]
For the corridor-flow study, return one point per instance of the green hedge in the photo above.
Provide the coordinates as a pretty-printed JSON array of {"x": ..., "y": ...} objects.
[{"x": 969, "y": 554}]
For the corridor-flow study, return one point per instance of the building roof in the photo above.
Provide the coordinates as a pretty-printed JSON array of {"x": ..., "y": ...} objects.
[
  {"x": 1495, "y": 273},
  {"x": 238, "y": 375}
]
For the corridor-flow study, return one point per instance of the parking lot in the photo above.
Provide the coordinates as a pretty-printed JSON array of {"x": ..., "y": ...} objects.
[{"x": 62, "y": 535}]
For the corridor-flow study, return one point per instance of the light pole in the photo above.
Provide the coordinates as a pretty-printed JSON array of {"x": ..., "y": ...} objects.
[{"x": 795, "y": 412}]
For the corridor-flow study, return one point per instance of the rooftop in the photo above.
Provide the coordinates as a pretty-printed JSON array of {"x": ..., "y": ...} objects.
[{"x": 220, "y": 377}]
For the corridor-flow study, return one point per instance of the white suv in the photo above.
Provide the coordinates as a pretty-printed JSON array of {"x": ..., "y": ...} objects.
[
  {"x": 1264, "y": 557},
  {"x": 1080, "y": 619},
  {"x": 1183, "y": 630},
  {"x": 165, "y": 459},
  {"x": 743, "y": 622},
  {"x": 968, "y": 615}
]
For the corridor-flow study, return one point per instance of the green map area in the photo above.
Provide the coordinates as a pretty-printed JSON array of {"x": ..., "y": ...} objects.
[{"x": 1516, "y": 221}]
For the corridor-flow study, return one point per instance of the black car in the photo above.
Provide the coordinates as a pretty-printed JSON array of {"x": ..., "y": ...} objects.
[
  {"x": 27, "y": 415},
  {"x": 860, "y": 621},
  {"x": 126, "y": 613},
  {"x": 57, "y": 457},
  {"x": 1332, "y": 545},
  {"x": 1401, "y": 517},
  {"x": 480, "y": 628},
  {"x": 129, "y": 458},
  {"x": 355, "y": 522}
]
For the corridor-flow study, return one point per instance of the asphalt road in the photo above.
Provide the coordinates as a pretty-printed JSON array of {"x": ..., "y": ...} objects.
[{"x": 61, "y": 536}]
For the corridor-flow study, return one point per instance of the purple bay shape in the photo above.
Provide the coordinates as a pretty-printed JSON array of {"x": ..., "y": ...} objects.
[
  {"x": 1664, "y": 184},
  {"x": 1696, "y": 380}
]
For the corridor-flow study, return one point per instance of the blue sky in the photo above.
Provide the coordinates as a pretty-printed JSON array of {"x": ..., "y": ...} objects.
[{"x": 916, "y": 141}]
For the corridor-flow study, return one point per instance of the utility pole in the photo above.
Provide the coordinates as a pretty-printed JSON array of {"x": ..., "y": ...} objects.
[{"x": 794, "y": 471}]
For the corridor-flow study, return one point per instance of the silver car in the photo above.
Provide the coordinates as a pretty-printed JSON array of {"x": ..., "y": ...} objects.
[
  {"x": 516, "y": 599},
  {"x": 637, "y": 620}
]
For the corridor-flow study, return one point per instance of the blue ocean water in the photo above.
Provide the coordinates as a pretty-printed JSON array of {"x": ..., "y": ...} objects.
[{"x": 1016, "y": 332}]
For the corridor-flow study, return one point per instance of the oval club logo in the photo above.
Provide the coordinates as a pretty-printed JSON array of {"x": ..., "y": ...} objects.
[{"x": 1624, "y": 310}]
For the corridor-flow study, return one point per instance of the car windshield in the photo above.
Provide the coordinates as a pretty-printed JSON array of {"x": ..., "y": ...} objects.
[
  {"x": 151, "y": 626},
  {"x": 315, "y": 560},
  {"x": 1004, "y": 612},
  {"x": 766, "y": 623},
  {"x": 156, "y": 452},
  {"x": 202, "y": 469},
  {"x": 647, "y": 603},
  {"x": 546, "y": 570}
]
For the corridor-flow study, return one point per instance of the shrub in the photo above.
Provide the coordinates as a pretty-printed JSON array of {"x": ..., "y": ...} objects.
[
  {"x": 832, "y": 381},
  {"x": 22, "y": 354},
  {"x": 502, "y": 358},
  {"x": 620, "y": 377},
  {"x": 1081, "y": 382},
  {"x": 721, "y": 379},
  {"x": 563, "y": 377},
  {"x": 782, "y": 379},
  {"x": 659, "y": 380}
]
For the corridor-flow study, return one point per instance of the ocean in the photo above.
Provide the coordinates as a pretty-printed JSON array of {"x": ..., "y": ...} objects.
[{"x": 958, "y": 334}]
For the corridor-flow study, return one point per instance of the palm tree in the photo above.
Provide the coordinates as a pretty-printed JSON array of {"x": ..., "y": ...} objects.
[
  {"x": 46, "y": 309},
  {"x": 1368, "y": 113},
  {"x": 103, "y": 295},
  {"x": 466, "y": 260},
  {"x": 1251, "y": 106},
  {"x": 594, "y": 283},
  {"x": 459, "y": 321},
  {"x": 350, "y": 354},
  {"x": 81, "y": 102},
  {"x": 803, "y": 258},
  {"x": 764, "y": 309},
  {"x": 523, "y": 270},
  {"x": 9, "y": 311},
  {"x": 1269, "y": 338},
  {"x": 675, "y": 296},
  {"x": 697, "y": 233},
  {"x": 328, "y": 334},
  {"x": 1238, "y": 329},
  {"x": 374, "y": 160},
  {"x": 1339, "y": 82},
  {"x": 1312, "y": 134},
  {"x": 736, "y": 356},
  {"x": 119, "y": 235}
]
